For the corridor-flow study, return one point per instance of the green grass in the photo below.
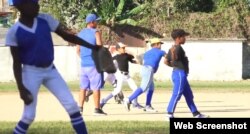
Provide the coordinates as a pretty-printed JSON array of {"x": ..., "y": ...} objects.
[
  {"x": 218, "y": 86},
  {"x": 94, "y": 127}
]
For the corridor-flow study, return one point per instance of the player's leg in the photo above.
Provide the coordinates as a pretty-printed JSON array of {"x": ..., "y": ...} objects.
[
  {"x": 133, "y": 86},
  {"x": 188, "y": 94},
  {"x": 55, "y": 83},
  {"x": 82, "y": 97},
  {"x": 147, "y": 77},
  {"x": 177, "y": 78},
  {"x": 150, "y": 92},
  {"x": 115, "y": 91},
  {"x": 96, "y": 84},
  {"x": 111, "y": 78},
  {"x": 32, "y": 79},
  {"x": 84, "y": 86}
]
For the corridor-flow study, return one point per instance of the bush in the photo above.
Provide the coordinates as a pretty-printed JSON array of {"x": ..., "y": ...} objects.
[{"x": 194, "y": 5}]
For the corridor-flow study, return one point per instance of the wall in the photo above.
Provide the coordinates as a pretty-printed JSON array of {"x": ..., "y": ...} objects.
[
  {"x": 209, "y": 60},
  {"x": 215, "y": 60}
]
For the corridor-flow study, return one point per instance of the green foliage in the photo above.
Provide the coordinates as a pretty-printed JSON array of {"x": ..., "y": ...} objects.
[
  {"x": 69, "y": 12},
  {"x": 194, "y": 5},
  {"x": 226, "y": 18}
]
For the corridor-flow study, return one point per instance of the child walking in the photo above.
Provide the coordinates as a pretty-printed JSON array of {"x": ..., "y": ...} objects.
[{"x": 177, "y": 59}]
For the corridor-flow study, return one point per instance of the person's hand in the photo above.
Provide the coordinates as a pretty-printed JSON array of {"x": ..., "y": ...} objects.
[{"x": 26, "y": 96}]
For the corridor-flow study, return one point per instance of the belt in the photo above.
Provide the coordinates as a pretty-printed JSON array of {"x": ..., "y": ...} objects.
[
  {"x": 125, "y": 73},
  {"x": 43, "y": 66}
]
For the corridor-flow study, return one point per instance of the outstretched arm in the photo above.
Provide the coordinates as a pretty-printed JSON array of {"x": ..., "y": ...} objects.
[
  {"x": 25, "y": 94},
  {"x": 71, "y": 37}
]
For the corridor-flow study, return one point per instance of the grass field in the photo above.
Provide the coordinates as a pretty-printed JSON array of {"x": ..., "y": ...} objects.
[
  {"x": 218, "y": 86},
  {"x": 94, "y": 127}
]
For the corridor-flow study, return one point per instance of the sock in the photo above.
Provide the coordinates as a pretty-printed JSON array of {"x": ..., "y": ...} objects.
[
  {"x": 78, "y": 123},
  {"x": 21, "y": 128},
  {"x": 135, "y": 94},
  {"x": 149, "y": 97},
  {"x": 106, "y": 99}
]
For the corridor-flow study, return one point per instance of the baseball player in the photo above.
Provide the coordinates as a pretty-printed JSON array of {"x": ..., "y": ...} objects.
[
  {"x": 32, "y": 51},
  {"x": 177, "y": 59},
  {"x": 111, "y": 78},
  {"x": 122, "y": 59},
  {"x": 151, "y": 61}
]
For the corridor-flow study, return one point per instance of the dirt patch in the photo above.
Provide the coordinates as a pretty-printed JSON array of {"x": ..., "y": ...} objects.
[{"x": 210, "y": 103}]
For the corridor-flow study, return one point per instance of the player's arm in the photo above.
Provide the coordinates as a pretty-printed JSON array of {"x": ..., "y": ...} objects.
[
  {"x": 98, "y": 38},
  {"x": 71, "y": 37},
  {"x": 132, "y": 59},
  {"x": 17, "y": 69}
]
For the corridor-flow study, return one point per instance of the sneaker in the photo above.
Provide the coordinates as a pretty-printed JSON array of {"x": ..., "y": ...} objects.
[
  {"x": 169, "y": 116},
  {"x": 99, "y": 111},
  {"x": 126, "y": 104},
  {"x": 201, "y": 116},
  {"x": 102, "y": 103},
  {"x": 150, "y": 109},
  {"x": 137, "y": 105}
]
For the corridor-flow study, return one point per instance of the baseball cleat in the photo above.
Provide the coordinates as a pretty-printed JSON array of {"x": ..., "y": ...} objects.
[
  {"x": 150, "y": 109},
  {"x": 201, "y": 116},
  {"x": 127, "y": 104}
]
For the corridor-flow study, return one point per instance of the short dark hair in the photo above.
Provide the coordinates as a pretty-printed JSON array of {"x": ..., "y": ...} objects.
[{"x": 178, "y": 33}]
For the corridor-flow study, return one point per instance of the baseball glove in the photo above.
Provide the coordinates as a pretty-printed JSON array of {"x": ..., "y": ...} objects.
[{"x": 103, "y": 60}]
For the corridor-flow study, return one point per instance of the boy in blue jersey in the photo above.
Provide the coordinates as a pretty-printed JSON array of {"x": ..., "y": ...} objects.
[
  {"x": 32, "y": 51},
  {"x": 90, "y": 78},
  {"x": 151, "y": 60},
  {"x": 177, "y": 59}
]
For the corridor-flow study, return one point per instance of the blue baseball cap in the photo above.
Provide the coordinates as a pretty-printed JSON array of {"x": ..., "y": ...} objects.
[
  {"x": 16, "y": 2},
  {"x": 91, "y": 18}
]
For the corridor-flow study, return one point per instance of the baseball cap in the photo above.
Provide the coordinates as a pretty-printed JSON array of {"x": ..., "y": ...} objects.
[
  {"x": 179, "y": 33},
  {"x": 155, "y": 40},
  {"x": 91, "y": 18},
  {"x": 16, "y": 2},
  {"x": 120, "y": 45}
]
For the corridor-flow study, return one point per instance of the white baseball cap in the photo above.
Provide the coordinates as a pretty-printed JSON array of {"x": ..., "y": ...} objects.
[{"x": 120, "y": 45}]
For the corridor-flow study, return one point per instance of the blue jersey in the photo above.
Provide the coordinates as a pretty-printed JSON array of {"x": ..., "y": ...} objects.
[
  {"x": 152, "y": 58},
  {"x": 87, "y": 34},
  {"x": 34, "y": 44}
]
